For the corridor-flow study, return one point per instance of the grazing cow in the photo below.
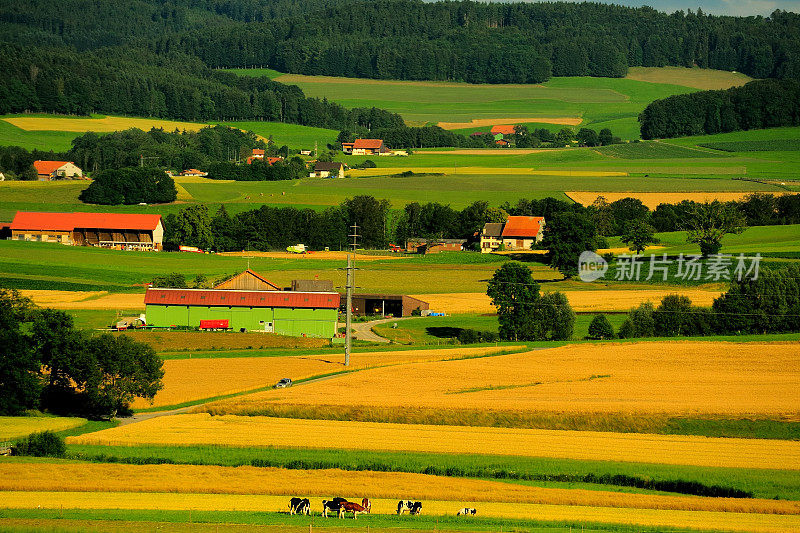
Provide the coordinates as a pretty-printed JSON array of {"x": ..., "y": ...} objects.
[
  {"x": 366, "y": 504},
  {"x": 299, "y": 506},
  {"x": 467, "y": 511},
  {"x": 408, "y": 505},
  {"x": 334, "y": 505},
  {"x": 351, "y": 507}
]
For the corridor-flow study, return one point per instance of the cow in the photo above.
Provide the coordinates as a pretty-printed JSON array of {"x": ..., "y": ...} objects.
[
  {"x": 469, "y": 511},
  {"x": 351, "y": 507},
  {"x": 334, "y": 505},
  {"x": 366, "y": 504},
  {"x": 299, "y": 506},
  {"x": 408, "y": 505}
]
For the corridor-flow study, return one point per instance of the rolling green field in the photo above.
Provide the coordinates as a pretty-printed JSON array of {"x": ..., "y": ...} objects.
[
  {"x": 58, "y": 141},
  {"x": 598, "y": 102}
]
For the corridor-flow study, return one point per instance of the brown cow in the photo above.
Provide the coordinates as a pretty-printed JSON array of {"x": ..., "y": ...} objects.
[
  {"x": 366, "y": 504},
  {"x": 350, "y": 507}
]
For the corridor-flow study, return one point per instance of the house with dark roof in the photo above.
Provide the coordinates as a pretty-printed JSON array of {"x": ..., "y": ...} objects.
[
  {"x": 123, "y": 231},
  {"x": 419, "y": 245},
  {"x": 516, "y": 233},
  {"x": 53, "y": 170},
  {"x": 327, "y": 169},
  {"x": 366, "y": 147}
]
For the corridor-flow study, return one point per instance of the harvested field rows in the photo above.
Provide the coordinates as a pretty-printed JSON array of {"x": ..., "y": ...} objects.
[
  {"x": 231, "y": 430},
  {"x": 353, "y": 485},
  {"x": 581, "y": 301},
  {"x": 489, "y": 122},
  {"x": 168, "y": 341},
  {"x": 12, "y": 427},
  {"x": 194, "y": 379},
  {"x": 664, "y": 378},
  {"x": 706, "y": 520},
  {"x": 85, "y": 299},
  {"x": 653, "y": 199}
]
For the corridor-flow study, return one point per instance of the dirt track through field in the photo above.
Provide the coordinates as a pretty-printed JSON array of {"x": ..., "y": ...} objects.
[{"x": 481, "y": 122}]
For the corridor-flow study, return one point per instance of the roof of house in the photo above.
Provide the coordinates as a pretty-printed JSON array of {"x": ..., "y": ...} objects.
[
  {"x": 505, "y": 129},
  {"x": 258, "y": 151},
  {"x": 478, "y": 133},
  {"x": 272, "y": 160},
  {"x": 523, "y": 227},
  {"x": 48, "y": 167},
  {"x": 328, "y": 165},
  {"x": 69, "y": 221},
  {"x": 228, "y": 283},
  {"x": 501, "y": 141},
  {"x": 368, "y": 144},
  {"x": 492, "y": 229},
  {"x": 234, "y": 298}
]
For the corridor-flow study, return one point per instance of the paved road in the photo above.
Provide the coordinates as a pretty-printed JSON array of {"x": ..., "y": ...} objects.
[{"x": 363, "y": 330}]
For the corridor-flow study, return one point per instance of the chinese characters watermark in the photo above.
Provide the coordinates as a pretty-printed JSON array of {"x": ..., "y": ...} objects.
[{"x": 685, "y": 267}]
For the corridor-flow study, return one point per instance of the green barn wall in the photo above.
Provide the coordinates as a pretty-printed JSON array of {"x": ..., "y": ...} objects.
[{"x": 286, "y": 321}]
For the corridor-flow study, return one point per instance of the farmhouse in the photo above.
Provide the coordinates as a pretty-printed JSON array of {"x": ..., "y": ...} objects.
[
  {"x": 386, "y": 304},
  {"x": 53, "y": 170},
  {"x": 517, "y": 233},
  {"x": 109, "y": 230},
  {"x": 432, "y": 246},
  {"x": 311, "y": 314},
  {"x": 327, "y": 169},
  {"x": 193, "y": 172},
  {"x": 502, "y": 131},
  {"x": 366, "y": 147}
]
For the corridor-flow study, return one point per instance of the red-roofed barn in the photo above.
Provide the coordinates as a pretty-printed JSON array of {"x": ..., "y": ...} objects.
[
  {"x": 109, "y": 230},
  {"x": 366, "y": 147},
  {"x": 517, "y": 233}
]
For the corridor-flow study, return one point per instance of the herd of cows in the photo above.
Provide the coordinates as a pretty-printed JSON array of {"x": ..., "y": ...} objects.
[{"x": 340, "y": 506}]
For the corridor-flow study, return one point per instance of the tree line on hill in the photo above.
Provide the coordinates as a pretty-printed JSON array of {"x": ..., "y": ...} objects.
[
  {"x": 407, "y": 39},
  {"x": 137, "y": 82},
  {"x": 758, "y": 104},
  {"x": 50, "y": 365}
]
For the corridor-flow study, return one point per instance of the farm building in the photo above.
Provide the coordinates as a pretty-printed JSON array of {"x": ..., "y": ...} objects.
[
  {"x": 386, "y": 304},
  {"x": 366, "y": 147},
  {"x": 247, "y": 281},
  {"x": 517, "y": 233},
  {"x": 194, "y": 173},
  {"x": 327, "y": 169},
  {"x": 503, "y": 131},
  {"x": 432, "y": 246},
  {"x": 53, "y": 170},
  {"x": 108, "y": 230},
  {"x": 311, "y": 314}
]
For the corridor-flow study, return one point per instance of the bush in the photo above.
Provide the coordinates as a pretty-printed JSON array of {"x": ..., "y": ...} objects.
[
  {"x": 129, "y": 186},
  {"x": 43, "y": 444},
  {"x": 473, "y": 336},
  {"x": 640, "y": 323},
  {"x": 600, "y": 328},
  {"x": 368, "y": 163},
  {"x": 416, "y": 312}
]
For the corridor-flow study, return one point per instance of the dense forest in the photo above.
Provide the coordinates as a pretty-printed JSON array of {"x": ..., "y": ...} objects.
[
  {"x": 758, "y": 104},
  {"x": 409, "y": 39}
]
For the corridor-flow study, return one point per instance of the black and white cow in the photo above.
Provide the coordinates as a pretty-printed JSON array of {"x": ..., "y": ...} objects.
[
  {"x": 467, "y": 511},
  {"x": 334, "y": 505},
  {"x": 299, "y": 506},
  {"x": 408, "y": 505}
]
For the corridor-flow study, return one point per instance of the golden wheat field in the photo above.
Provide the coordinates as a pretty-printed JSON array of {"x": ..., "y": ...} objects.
[
  {"x": 353, "y": 485},
  {"x": 12, "y": 427},
  {"x": 481, "y": 122},
  {"x": 699, "y": 78},
  {"x": 704, "y": 520},
  {"x": 653, "y": 199},
  {"x": 230, "y": 430},
  {"x": 85, "y": 299},
  {"x": 108, "y": 123},
  {"x": 193, "y": 379},
  {"x": 581, "y": 301},
  {"x": 673, "y": 378}
]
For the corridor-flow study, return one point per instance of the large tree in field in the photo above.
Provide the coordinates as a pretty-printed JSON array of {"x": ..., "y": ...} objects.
[
  {"x": 515, "y": 294},
  {"x": 19, "y": 365},
  {"x": 638, "y": 235},
  {"x": 707, "y": 223},
  {"x": 566, "y": 235}
]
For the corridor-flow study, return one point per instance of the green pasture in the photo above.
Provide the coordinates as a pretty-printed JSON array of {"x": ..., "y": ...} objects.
[
  {"x": 195, "y": 521},
  {"x": 599, "y": 102},
  {"x": 293, "y": 135},
  {"x": 58, "y": 141},
  {"x": 548, "y": 472}
]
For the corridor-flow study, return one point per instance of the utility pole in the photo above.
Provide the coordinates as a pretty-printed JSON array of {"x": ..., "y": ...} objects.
[{"x": 348, "y": 336}]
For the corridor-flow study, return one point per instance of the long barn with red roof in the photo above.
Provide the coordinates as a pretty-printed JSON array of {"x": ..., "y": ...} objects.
[{"x": 110, "y": 230}]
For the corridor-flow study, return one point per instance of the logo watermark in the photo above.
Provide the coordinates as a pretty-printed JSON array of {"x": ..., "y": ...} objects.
[{"x": 685, "y": 267}]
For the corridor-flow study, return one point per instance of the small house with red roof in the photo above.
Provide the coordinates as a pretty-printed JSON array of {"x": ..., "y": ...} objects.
[
  {"x": 366, "y": 147},
  {"x": 54, "y": 170},
  {"x": 517, "y": 233},
  {"x": 501, "y": 132},
  {"x": 194, "y": 173},
  {"x": 123, "y": 231}
]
